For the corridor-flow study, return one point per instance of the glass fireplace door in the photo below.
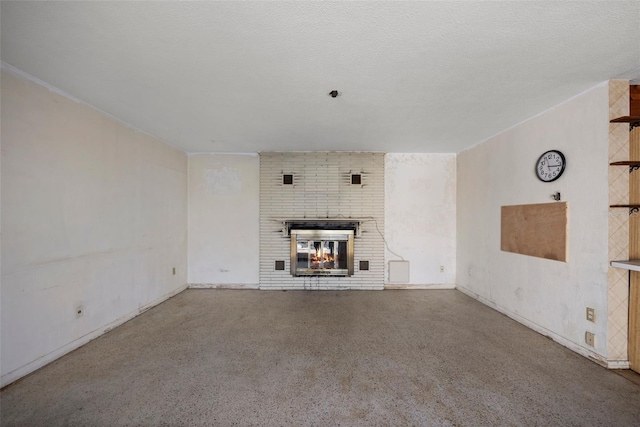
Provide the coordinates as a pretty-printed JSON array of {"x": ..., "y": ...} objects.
[{"x": 321, "y": 252}]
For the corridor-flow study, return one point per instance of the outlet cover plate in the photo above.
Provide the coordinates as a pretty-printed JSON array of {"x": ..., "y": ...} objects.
[
  {"x": 590, "y": 339},
  {"x": 591, "y": 314}
]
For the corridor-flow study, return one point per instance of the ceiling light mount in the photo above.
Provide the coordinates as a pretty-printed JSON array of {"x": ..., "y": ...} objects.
[{"x": 334, "y": 94}]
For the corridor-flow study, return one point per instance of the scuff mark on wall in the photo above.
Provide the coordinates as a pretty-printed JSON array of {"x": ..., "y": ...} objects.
[{"x": 223, "y": 180}]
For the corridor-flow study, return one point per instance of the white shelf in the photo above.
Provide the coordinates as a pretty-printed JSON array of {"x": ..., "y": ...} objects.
[{"x": 633, "y": 264}]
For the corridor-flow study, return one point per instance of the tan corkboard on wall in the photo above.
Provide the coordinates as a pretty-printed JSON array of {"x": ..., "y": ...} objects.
[{"x": 538, "y": 230}]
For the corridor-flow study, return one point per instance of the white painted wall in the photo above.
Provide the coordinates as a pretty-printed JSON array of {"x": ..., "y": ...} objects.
[
  {"x": 549, "y": 296},
  {"x": 420, "y": 216},
  {"x": 93, "y": 215},
  {"x": 224, "y": 219}
]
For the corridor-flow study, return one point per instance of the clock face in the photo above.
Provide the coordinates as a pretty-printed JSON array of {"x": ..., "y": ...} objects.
[{"x": 550, "y": 166}]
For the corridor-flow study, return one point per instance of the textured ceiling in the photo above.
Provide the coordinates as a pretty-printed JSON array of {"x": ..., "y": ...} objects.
[{"x": 246, "y": 77}]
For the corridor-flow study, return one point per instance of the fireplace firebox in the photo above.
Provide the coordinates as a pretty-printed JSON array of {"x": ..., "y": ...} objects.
[{"x": 322, "y": 252}]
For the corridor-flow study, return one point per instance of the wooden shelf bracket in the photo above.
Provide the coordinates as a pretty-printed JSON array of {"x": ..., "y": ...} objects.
[
  {"x": 633, "y": 164},
  {"x": 632, "y": 208},
  {"x": 626, "y": 119}
]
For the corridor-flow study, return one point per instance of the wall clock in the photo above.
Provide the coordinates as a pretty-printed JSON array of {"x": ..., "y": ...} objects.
[{"x": 550, "y": 166}]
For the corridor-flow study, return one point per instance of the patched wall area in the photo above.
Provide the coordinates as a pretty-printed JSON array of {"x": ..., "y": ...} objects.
[
  {"x": 223, "y": 220},
  {"x": 420, "y": 218},
  {"x": 321, "y": 188}
]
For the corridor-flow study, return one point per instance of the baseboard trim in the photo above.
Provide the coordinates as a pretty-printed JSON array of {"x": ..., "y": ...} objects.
[
  {"x": 595, "y": 357},
  {"x": 321, "y": 288},
  {"x": 224, "y": 286},
  {"x": 618, "y": 364},
  {"x": 393, "y": 286},
  {"x": 19, "y": 373}
]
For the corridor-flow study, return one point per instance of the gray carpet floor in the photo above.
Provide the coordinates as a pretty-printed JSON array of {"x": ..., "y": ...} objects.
[{"x": 226, "y": 357}]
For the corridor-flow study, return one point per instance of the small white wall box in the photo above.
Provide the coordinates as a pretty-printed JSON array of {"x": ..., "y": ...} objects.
[{"x": 399, "y": 272}]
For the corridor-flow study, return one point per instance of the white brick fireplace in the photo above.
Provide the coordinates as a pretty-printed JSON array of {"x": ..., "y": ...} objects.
[{"x": 321, "y": 188}]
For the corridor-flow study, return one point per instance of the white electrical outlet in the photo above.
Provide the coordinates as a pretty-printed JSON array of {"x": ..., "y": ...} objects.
[
  {"x": 442, "y": 269},
  {"x": 79, "y": 311},
  {"x": 174, "y": 271},
  {"x": 591, "y": 314},
  {"x": 590, "y": 339}
]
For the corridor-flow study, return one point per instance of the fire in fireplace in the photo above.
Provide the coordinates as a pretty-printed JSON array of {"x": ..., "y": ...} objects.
[{"x": 322, "y": 252}]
